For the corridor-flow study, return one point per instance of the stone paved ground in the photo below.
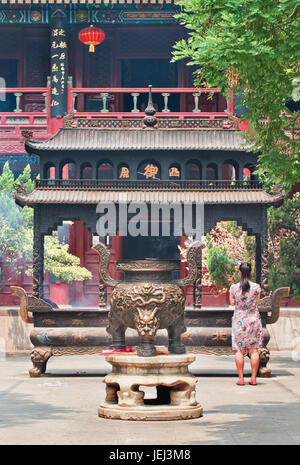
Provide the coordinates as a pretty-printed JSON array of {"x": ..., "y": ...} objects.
[{"x": 61, "y": 408}]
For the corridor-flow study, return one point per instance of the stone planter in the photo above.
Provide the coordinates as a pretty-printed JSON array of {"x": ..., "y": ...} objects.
[{"x": 59, "y": 293}]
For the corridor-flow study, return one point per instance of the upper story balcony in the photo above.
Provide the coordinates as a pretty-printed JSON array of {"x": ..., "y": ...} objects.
[{"x": 28, "y": 109}]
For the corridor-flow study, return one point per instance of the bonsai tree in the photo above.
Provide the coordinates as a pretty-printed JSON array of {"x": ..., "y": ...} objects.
[
  {"x": 65, "y": 266},
  {"x": 220, "y": 265}
]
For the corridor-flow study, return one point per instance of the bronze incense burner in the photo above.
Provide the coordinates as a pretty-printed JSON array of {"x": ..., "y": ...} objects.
[{"x": 148, "y": 299}]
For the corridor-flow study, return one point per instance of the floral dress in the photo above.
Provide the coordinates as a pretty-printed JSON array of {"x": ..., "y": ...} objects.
[{"x": 246, "y": 323}]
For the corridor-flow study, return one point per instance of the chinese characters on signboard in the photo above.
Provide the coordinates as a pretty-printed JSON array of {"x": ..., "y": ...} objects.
[
  {"x": 150, "y": 171},
  {"x": 124, "y": 173},
  {"x": 174, "y": 172},
  {"x": 59, "y": 73}
]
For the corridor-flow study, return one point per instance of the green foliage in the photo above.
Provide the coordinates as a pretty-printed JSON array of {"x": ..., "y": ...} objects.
[
  {"x": 232, "y": 227},
  {"x": 296, "y": 89},
  {"x": 251, "y": 45},
  {"x": 284, "y": 217},
  {"x": 15, "y": 223},
  {"x": 219, "y": 264},
  {"x": 250, "y": 243},
  {"x": 16, "y": 236},
  {"x": 284, "y": 270},
  {"x": 65, "y": 266}
]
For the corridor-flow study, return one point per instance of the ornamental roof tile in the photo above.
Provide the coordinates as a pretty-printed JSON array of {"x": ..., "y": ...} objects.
[
  {"x": 85, "y": 196},
  {"x": 138, "y": 139}
]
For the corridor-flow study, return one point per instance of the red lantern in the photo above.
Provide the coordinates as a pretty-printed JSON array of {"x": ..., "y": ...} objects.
[{"x": 91, "y": 36}]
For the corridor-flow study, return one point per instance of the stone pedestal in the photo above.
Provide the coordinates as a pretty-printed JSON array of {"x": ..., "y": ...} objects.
[{"x": 175, "y": 386}]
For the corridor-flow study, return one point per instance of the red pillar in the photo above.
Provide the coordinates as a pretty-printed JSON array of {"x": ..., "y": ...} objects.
[{"x": 76, "y": 247}]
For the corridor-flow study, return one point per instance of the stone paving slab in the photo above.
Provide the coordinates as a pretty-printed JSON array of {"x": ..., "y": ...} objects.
[{"x": 61, "y": 407}]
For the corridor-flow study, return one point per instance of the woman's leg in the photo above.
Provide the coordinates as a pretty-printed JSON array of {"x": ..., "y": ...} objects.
[
  {"x": 239, "y": 361},
  {"x": 254, "y": 360}
]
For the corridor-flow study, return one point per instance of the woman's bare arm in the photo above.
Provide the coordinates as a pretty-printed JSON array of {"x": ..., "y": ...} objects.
[{"x": 231, "y": 300}]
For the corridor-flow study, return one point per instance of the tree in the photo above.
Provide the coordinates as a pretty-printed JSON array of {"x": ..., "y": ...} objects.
[
  {"x": 284, "y": 246},
  {"x": 220, "y": 265},
  {"x": 16, "y": 236},
  {"x": 226, "y": 246},
  {"x": 65, "y": 266},
  {"x": 16, "y": 226},
  {"x": 251, "y": 48}
]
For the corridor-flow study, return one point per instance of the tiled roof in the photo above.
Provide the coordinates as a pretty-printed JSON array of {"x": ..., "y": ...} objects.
[
  {"x": 138, "y": 139},
  {"x": 84, "y": 196}
]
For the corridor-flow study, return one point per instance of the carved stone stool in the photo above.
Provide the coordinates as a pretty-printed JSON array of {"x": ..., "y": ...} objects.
[{"x": 175, "y": 385}]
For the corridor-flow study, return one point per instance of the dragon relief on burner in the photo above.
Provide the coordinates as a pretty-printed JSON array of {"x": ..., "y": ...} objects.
[{"x": 148, "y": 299}]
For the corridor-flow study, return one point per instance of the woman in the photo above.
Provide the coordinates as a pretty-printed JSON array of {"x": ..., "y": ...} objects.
[{"x": 246, "y": 323}]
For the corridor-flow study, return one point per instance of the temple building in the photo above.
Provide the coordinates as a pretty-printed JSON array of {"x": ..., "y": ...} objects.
[{"x": 77, "y": 107}]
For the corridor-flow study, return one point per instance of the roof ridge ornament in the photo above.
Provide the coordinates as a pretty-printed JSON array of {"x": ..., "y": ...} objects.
[{"x": 150, "y": 119}]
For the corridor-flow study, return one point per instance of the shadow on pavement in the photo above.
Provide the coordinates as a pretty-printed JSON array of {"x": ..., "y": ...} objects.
[
  {"x": 21, "y": 409},
  {"x": 261, "y": 423}
]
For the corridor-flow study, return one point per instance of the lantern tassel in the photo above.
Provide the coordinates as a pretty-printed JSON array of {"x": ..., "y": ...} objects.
[{"x": 92, "y": 48}]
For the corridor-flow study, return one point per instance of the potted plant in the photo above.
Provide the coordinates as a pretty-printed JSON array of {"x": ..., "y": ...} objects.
[{"x": 221, "y": 269}]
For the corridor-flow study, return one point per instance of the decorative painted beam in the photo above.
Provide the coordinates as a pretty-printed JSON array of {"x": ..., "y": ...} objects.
[{"x": 119, "y": 11}]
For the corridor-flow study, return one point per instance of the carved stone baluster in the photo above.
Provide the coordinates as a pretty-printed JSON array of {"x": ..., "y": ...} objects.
[
  {"x": 104, "y": 96},
  {"x": 44, "y": 94},
  {"x": 166, "y": 99},
  {"x": 74, "y": 99},
  {"x": 196, "y": 97},
  {"x": 18, "y": 96},
  {"x": 135, "y": 96}
]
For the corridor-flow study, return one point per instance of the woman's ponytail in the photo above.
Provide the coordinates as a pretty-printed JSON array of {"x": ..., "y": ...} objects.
[{"x": 245, "y": 269}]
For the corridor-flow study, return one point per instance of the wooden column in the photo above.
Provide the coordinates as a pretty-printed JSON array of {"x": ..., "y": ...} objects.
[
  {"x": 103, "y": 294},
  {"x": 38, "y": 256},
  {"x": 262, "y": 254},
  {"x": 198, "y": 283}
]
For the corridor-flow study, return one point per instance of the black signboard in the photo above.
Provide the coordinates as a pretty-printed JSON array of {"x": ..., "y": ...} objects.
[{"x": 59, "y": 68}]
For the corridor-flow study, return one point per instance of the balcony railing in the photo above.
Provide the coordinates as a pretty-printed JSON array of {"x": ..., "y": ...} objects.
[
  {"x": 121, "y": 184},
  {"x": 129, "y": 102},
  {"x": 23, "y": 108},
  {"x": 28, "y": 108}
]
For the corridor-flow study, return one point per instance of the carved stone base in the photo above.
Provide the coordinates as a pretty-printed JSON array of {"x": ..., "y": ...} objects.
[
  {"x": 163, "y": 413},
  {"x": 175, "y": 386}
]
